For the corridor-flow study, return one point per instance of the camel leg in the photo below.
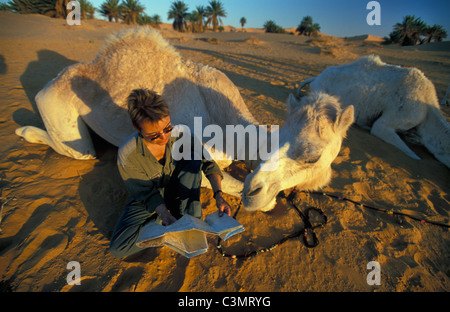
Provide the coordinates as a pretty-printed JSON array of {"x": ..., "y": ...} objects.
[
  {"x": 34, "y": 135},
  {"x": 230, "y": 185},
  {"x": 383, "y": 131},
  {"x": 66, "y": 132}
]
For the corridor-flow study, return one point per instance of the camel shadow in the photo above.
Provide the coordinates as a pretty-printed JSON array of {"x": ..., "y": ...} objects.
[
  {"x": 37, "y": 74},
  {"x": 251, "y": 65},
  {"x": 102, "y": 190}
]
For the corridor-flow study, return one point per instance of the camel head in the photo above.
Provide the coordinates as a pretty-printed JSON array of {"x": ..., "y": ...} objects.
[{"x": 309, "y": 141}]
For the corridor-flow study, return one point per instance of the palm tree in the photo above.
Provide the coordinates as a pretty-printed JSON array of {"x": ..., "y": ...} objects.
[
  {"x": 156, "y": 20},
  {"x": 215, "y": 11},
  {"x": 144, "y": 19},
  {"x": 436, "y": 32},
  {"x": 306, "y": 22},
  {"x": 61, "y": 8},
  {"x": 243, "y": 21},
  {"x": 201, "y": 11},
  {"x": 87, "y": 9},
  {"x": 130, "y": 9},
  {"x": 23, "y": 6},
  {"x": 51, "y": 8},
  {"x": 179, "y": 13},
  {"x": 46, "y": 7},
  {"x": 111, "y": 10},
  {"x": 408, "y": 32},
  {"x": 195, "y": 19}
]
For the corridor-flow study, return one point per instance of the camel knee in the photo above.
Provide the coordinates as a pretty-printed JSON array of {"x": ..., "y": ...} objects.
[
  {"x": 33, "y": 135},
  {"x": 79, "y": 149}
]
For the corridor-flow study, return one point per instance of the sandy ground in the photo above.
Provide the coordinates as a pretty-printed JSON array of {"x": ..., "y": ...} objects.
[{"x": 57, "y": 210}]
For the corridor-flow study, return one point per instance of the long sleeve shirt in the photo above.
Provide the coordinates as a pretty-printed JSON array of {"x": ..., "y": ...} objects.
[{"x": 145, "y": 177}]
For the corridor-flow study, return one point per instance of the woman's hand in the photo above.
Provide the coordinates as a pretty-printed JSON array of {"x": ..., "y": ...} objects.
[
  {"x": 165, "y": 215},
  {"x": 222, "y": 205}
]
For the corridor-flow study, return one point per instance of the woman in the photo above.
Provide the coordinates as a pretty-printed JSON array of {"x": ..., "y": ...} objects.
[{"x": 161, "y": 189}]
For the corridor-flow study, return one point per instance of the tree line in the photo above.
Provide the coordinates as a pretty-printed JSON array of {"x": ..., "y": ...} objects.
[
  {"x": 128, "y": 11},
  {"x": 413, "y": 30},
  {"x": 306, "y": 27}
]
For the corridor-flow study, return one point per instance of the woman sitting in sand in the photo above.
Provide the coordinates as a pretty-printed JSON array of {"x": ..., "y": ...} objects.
[{"x": 161, "y": 189}]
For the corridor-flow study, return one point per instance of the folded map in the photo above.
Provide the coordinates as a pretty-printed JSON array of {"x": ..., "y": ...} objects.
[{"x": 187, "y": 235}]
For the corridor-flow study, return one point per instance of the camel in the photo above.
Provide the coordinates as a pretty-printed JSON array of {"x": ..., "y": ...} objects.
[
  {"x": 94, "y": 95},
  {"x": 389, "y": 99}
]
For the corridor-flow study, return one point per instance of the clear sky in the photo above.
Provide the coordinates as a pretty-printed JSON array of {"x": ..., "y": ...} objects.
[{"x": 336, "y": 17}]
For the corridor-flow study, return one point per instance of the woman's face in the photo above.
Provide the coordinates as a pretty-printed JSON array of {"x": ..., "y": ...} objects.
[{"x": 156, "y": 132}]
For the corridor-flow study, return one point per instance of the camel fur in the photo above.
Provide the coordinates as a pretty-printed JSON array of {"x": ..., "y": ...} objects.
[{"x": 389, "y": 99}]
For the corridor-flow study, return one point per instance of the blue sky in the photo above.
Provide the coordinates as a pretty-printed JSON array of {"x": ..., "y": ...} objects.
[{"x": 336, "y": 17}]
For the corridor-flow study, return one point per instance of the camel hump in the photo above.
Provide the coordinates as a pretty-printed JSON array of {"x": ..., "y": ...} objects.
[{"x": 142, "y": 39}]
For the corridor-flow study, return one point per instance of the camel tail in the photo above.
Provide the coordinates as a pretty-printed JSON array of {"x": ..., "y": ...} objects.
[
  {"x": 435, "y": 135},
  {"x": 302, "y": 84}
]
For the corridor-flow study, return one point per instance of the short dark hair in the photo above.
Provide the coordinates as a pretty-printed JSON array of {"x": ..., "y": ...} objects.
[{"x": 146, "y": 105}]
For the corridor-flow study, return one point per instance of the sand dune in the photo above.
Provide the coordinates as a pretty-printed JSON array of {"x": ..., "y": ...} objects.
[{"x": 57, "y": 210}]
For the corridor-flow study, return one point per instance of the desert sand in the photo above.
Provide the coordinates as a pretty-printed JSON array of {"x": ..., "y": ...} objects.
[{"x": 56, "y": 209}]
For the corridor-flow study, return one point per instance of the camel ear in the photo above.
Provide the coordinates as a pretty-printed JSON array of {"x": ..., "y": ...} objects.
[
  {"x": 292, "y": 104},
  {"x": 345, "y": 119}
]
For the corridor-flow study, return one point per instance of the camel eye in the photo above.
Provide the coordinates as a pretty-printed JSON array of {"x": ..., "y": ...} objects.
[{"x": 312, "y": 160}]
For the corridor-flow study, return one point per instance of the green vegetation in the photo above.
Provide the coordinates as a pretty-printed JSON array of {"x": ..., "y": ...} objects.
[
  {"x": 243, "y": 21},
  {"x": 271, "y": 27},
  {"x": 179, "y": 13},
  {"x": 215, "y": 11},
  {"x": 87, "y": 9},
  {"x": 111, "y": 10},
  {"x": 130, "y": 9},
  {"x": 412, "y": 30},
  {"x": 44, "y": 7},
  {"x": 307, "y": 27},
  {"x": 199, "y": 18},
  {"x": 130, "y": 12}
]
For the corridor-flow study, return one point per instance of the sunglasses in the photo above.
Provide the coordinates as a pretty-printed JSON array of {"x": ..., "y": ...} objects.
[{"x": 153, "y": 137}]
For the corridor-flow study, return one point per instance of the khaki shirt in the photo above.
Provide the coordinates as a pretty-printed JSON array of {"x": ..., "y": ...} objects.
[{"x": 144, "y": 177}]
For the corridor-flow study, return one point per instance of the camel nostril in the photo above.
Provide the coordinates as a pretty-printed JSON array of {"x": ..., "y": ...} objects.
[{"x": 255, "y": 191}]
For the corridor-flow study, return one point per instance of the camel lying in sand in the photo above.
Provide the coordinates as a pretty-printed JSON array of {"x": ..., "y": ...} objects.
[
  {"x": 388, "y": 99},
  {"x": 95, "y": 95}
]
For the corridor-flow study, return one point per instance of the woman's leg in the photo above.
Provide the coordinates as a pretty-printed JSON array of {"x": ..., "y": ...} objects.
[
  {"x": 182, "y": 194},
  {"x": 128, "y": 229}
]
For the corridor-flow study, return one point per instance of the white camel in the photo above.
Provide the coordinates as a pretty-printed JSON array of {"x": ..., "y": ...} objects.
[
  {"x": 94, "y": 95},
  {"x": 387, "y": 99}
]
